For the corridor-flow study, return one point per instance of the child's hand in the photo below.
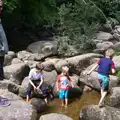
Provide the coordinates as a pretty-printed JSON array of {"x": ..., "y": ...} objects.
[
  {"x": 38, "y": 88},
  {"x": 72, "y": 86},
  {"x": 35, "y": 88},
  {"x": 58, "y": 90}
]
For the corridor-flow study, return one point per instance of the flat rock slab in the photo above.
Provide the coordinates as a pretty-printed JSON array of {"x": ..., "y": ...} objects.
[
  {"x": 18, "y": 110},
  {"x": 93, "y": 112},
  {"x": 55, "y": 116}
]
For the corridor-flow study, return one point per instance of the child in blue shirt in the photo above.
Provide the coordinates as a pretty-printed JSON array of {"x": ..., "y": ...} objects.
[{"x": 105, "y": 66}]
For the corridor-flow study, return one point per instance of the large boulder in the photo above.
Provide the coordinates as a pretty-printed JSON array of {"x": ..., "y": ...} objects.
[
  {"x": 92, "y": 80},
  {"x": 16, "y": 61},
  {"x": 93, "y": 112},
  {"x": 50, "y": 77},
  {"x": 48, "y": 66},
  {"x": 104, "y": 36},
  {"x": 24, "y": 55},
  {"x": 54, "y": 116},
  {"x": 115, "y": 97},
  {"x": 31, "y": 63},
  {"x": 8, "y": 57},
  {"x": 80, "y": 62},
  {"x": 18, "y": 110},
  {"x": 16, "y": 72},
  {"x": 46, "y": 48},
  {"x": 10, "y": 86},
  {"x": 104, "y": 46},
  {"x": 59, "y": 65},
  {"x": 38, "y": 104},
  {"x": 116, "y": 60}
]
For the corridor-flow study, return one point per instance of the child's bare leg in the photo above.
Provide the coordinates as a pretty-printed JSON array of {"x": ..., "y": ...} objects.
[
  {"x": 66, "y": 102},
  {"x": 62, "y": 102},
  {"x": 103, "y": 94},
  {"x": 27, "y": 98},
  {"x": 46, "y": 100}
]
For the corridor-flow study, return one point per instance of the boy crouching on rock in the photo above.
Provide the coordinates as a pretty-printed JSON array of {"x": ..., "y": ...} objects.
[{"x": 36, "y": 79}]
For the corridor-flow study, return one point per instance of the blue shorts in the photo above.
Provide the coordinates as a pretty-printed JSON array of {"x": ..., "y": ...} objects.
[
  {"x": 104, "y": 81},
  {"x": 63, "y": 94}
]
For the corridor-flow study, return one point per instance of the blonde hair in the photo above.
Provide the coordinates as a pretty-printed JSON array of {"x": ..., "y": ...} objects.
[
  {"x": 65, "y": 69},
  {"x": 110, "y": 52}
]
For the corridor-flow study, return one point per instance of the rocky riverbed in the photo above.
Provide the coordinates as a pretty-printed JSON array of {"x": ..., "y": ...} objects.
[{"x": 17, "y": 67}]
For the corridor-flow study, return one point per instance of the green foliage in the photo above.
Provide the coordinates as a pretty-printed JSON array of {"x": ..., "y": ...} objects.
[
  {"x": 117, "y": 51},
  {"x": 110, "y": 8},
  {"x": 80, "y": 23},
  {"x": 29, "y": 12},
  {"x": 118, "y": 73}
]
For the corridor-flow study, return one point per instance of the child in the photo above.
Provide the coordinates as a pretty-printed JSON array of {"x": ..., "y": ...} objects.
[
  {"x": 63, "y": 79},
  {"x": 36, "y": 76},
  {"x": 105, "y": 65}
]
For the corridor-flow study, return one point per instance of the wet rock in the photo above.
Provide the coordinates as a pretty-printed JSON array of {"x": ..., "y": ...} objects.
[
  {"x": 9, "y": 57},
  {"x": 92, "y": 80},
  {"x": 38, "y": 104},
  {"x": 16, "y": 72},
  {"x": 46, "y": 48},
  {"x": 55, "y": 116},
  {"x": 115, "y": 97},
  {"x": 18, "y": 110},
  {"x": 93, "y": 112}
]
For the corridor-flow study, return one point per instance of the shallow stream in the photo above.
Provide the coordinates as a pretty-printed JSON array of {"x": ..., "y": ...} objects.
[{"x": 75, "y": 105}]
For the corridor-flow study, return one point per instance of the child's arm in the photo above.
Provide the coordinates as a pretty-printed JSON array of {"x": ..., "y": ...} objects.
[
  {"x": 57, "y": 83},
  {"x": 41, "y": 82},
  {"x": 70, "y": 81},
  {"x": 30, "y": 81},
  {"x": 113, "y": 71},
  {"x": 94, "y": 67},
  {"x": 113, "y": 68}
]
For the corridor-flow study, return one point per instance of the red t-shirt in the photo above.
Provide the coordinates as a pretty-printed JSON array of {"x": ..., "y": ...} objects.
[{"x": 64, "y": 82}]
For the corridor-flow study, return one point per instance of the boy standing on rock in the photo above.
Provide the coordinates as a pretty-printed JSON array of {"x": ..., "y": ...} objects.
[
  {"x": 105, "y": 65},
  {"x": 63, "y": 79}
]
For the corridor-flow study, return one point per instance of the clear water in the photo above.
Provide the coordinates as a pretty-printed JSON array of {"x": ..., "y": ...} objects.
[{"x": 75, "y": 105}]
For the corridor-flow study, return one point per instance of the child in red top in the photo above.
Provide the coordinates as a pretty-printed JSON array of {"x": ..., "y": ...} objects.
[{"x": 63, "y": 79}]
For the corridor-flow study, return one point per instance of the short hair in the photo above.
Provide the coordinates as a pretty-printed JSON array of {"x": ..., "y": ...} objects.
[
  {"x": 39, "y": 66},
  {"x": 65, "y": 69},
  {"x": 110, "y": 52}
]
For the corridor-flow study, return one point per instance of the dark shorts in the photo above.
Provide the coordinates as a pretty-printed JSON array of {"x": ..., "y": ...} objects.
[
  {"x": 104, "y": 81},
  {"x": 44, "y": 88}
]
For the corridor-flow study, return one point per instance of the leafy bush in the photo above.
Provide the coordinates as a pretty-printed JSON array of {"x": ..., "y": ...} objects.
[
  {"x": 80, "y": 22},
  {"x": 29, "y": 12}
]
